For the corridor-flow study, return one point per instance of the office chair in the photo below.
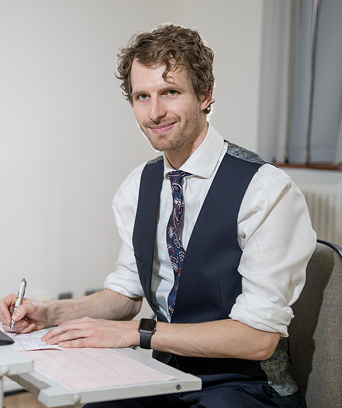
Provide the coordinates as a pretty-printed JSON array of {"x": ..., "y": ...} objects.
[{"x": 315, "y": 333}]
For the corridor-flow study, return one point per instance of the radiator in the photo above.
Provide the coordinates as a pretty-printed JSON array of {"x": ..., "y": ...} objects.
[
  {"x": 323, "y": 193},
  {"x": 325, "y": 207}
]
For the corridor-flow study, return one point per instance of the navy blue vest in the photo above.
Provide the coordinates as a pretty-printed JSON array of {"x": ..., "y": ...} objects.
[{"x": 210, "y": 282}]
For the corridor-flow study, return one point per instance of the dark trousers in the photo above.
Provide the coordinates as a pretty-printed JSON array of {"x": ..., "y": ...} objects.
[{"x": 237, "y": 394}]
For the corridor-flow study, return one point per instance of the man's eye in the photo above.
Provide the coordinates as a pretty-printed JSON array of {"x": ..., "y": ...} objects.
[
  {"x": 172, "y": 92},
  {"x": 142, "y": 97}
]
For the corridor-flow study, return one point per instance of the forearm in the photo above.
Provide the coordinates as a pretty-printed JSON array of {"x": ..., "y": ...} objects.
[
  {"x": 216, "y": 339},
  {"x": 105, "y": 304}
]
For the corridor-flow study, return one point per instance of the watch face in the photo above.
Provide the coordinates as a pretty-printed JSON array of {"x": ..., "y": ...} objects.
[{"x": 147, "y": 324}]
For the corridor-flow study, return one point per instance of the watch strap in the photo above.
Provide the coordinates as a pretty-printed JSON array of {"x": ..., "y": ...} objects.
[
  {"x": 145, "y": 340},
  {"x": 146, "y": 334}
]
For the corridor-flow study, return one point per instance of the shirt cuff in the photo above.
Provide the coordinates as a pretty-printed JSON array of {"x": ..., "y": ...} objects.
[
  {"x": 262, "y": 314},
  {"x": 120, "y": 283}
]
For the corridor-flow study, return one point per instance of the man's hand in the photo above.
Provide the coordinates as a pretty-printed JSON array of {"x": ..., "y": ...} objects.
[
  {"x": 30, "y": 315},
  {"x": 217, "y": 339},
  {"x": 88, "y": 332},
  {"x": 34, "y": 315}
]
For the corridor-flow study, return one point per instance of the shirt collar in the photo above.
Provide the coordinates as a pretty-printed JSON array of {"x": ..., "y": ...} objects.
[{"x": 204, "y": 160}]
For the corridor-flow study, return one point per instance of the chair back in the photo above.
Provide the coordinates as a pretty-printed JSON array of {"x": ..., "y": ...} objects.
[{"x": 315, "y": 333}]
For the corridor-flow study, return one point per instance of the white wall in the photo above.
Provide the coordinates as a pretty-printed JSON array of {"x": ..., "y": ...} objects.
[
  {"x": 234, "y": 29},
  {"x": 68, "y": 138}
]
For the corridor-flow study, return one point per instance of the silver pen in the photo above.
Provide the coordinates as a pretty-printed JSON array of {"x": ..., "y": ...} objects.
[{"x": 20, "y": 295}]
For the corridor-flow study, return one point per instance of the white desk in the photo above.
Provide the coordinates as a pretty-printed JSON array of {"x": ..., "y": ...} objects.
[
  {"x": 12, "y": 363},
  {"x": 53, "y": 394}
]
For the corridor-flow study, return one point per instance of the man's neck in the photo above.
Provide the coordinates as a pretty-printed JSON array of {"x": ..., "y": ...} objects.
[{"x": 179, "y": 156}]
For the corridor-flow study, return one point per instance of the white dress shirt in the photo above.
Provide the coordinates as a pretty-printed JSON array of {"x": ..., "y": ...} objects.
[{"x": 274, "y": 232}]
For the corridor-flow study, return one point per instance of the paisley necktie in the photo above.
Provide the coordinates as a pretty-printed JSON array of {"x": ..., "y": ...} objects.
[{"x": 174, "y": 244}]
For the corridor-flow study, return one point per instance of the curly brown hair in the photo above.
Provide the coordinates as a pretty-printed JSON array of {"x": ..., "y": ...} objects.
[{"x": 173, "y": 46}]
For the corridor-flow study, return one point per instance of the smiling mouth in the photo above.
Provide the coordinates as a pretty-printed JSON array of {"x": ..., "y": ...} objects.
[{"x": 157, "y": 129}]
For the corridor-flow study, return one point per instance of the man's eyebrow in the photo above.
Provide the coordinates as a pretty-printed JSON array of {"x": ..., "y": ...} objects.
[
  {"x": 167, "y": 87},
  {"x": 137, "y": 92}
]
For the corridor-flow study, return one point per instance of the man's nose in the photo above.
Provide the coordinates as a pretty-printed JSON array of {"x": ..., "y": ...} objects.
[{"x": 157, "y": 109}]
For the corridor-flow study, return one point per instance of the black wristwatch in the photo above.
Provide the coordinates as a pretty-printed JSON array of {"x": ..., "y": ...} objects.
[{"x": 146, "y": 328}]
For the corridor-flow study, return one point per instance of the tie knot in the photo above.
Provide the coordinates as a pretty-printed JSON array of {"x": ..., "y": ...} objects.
[{"x": 177, "y": 176}]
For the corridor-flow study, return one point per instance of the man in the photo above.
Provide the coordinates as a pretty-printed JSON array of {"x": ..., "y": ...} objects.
[{"x": 221, "y": 272}]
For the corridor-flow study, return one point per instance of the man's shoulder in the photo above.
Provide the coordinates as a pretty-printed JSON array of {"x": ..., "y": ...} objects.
[
  {"x": 244, "y": 154},
  {"x": 154, "y": 161},
  {"x": 129, "y": 187},
  {"x": 131, "y": 183}
]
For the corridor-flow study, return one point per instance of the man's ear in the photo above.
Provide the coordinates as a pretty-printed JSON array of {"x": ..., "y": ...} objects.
[
  {"x": 206, "y": 100},
  {"x": 130, "y": 102}
]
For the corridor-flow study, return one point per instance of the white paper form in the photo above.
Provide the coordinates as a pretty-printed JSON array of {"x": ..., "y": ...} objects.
[
  {"x": 84, "y": 368},
  {"x": 30, "y": 341}
]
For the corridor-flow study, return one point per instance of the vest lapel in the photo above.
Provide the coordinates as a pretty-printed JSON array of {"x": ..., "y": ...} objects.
[{"x": 146, "y": 222}]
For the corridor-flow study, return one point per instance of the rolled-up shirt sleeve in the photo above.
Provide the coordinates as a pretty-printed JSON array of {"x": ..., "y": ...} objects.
[
  {"x": 125, "y": 280},
  {"x": 277, "y": 241}
]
